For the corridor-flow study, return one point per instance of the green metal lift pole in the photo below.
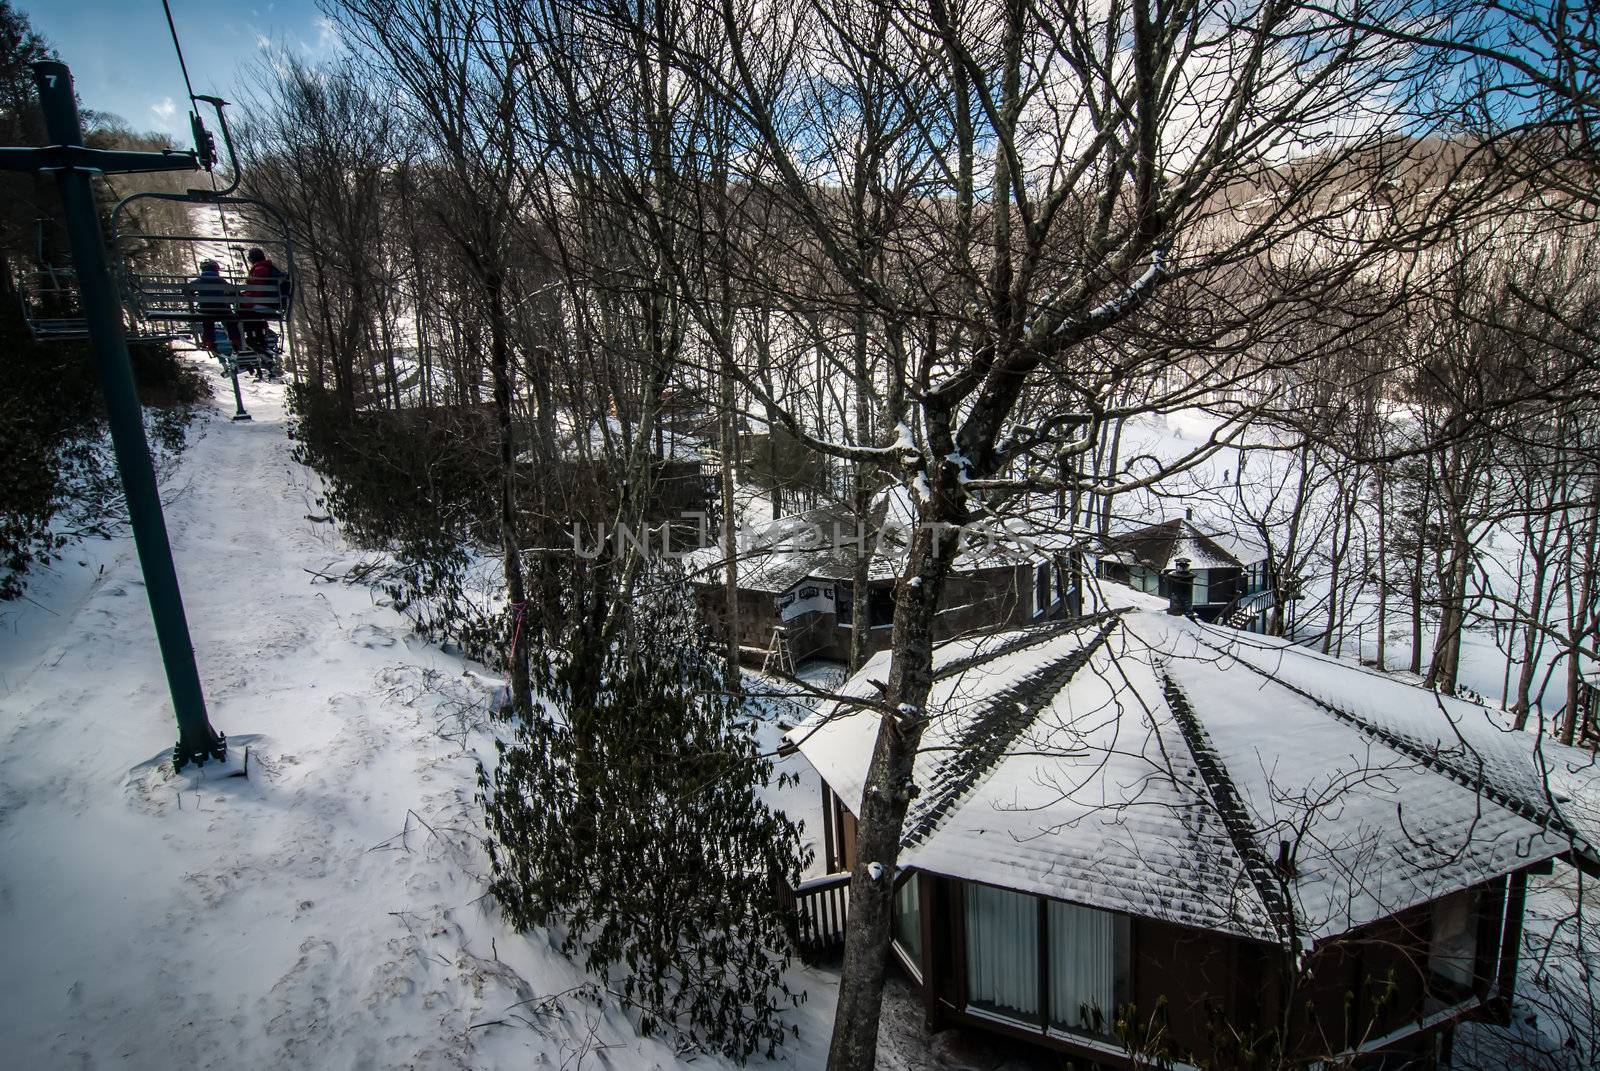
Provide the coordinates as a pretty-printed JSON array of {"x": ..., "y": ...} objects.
[{"x": 197, "y": 741}]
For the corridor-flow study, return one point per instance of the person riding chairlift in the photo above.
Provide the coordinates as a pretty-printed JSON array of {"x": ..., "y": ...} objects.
[
  {"x": 215, "y": 296},
  {"x": 264, "y": 293}
]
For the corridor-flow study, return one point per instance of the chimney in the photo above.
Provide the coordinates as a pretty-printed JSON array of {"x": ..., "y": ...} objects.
[
  {"x": 1285, "y": 864},
  {"x": 1188, "y": 513},
  {"x": 1180, "y": 588}
]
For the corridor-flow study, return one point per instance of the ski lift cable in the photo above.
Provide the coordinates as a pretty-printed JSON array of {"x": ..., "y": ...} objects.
[
  {"x": 177, "y": 47},
  {"x": 188, "y": 84},
  {"x": 194, "y": 111}
]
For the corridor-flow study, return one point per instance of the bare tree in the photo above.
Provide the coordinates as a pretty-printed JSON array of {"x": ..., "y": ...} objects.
[{"x": 1076, "y": 224}]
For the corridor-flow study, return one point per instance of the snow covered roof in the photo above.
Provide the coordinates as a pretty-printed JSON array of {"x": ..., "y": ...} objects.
[
  {"x": 822, "y": 544},
  {"x": 1150, "y": 764},
  {"x": 1158, "y": 545}
]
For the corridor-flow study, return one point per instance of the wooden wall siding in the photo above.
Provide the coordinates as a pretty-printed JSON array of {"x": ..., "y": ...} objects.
[
  {"x": 757, "y": 616},
  {"x": 937, "y": 954},
  {"x": 838, "y": 833},
  {"x": 982, "y": 599},
  {"x": 1510, "y": 944},
  {"x": 1491, "y": 925},
  {"x": 1397, "y": 949},
  {"x": 811, "y": 636},
  {"x": 1184, "y": 977},
  {"x": 1331, "y": 1008}
]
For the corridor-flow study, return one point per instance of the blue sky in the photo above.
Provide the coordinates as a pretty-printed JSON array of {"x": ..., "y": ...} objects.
[{"x": 122, "y": 59}]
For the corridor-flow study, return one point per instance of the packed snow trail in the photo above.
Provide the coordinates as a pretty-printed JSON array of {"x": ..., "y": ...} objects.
[{"x": 329, "y": 911}]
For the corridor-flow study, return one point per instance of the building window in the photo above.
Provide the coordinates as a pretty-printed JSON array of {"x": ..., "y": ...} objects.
[
  {"x": 1002, "y": 951},
  {"x": 1041, "y": 590},
  {"x": 1453, "y": 945},
  {"x": 880, "y": 606},
  {"x": 844, "y": 603},
  {"x": 908, "y": 920},
  {"x": 1200, "y": 588},
  {"x": 1142, "y": 579},
  {"x": 1088, "y": 967},
  {"x": 1082, "y": 979}
]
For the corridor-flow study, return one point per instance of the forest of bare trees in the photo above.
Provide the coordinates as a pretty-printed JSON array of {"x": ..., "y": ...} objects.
[
  {"x": 57, "y": 483},
  {"x": 965, "y": 251}
]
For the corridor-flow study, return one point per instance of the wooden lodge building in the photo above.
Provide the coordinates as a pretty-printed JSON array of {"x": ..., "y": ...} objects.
[
  {"x": 796, "y": 597},
  {"x": 1133, "y": 829},
  {"x": 1231, "y": 584}
]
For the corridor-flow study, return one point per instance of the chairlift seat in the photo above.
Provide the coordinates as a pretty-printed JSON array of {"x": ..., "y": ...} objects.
[
  {"x": 51, "y": 309},
  {"x": 166, "y": 298},
  {"x": 64, "y": 330}
]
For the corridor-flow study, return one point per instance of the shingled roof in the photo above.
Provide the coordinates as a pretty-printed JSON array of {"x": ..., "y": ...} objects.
[
  {"x": 1158, "y": 545},
  {"x": 822, "y": 544},
  {"x": 1149, "y": 764}
]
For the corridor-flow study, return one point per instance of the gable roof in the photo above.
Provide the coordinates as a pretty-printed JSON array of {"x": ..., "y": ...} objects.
[
  {"x": 1153, "y": 765},
  {"x": 822, "y": 544},
  {"x": 1157, "y": 545}
]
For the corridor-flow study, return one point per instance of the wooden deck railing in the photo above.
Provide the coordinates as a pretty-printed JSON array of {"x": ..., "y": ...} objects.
[{"x": 821, "y": 907}]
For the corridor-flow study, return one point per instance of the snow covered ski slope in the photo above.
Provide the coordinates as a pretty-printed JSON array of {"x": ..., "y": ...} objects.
[{"x": 325, "y": 913}]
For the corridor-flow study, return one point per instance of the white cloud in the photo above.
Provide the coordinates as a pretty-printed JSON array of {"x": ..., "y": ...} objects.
[
  {"x": 329, "y": 39},
  {"x": 167, "y": 117}
]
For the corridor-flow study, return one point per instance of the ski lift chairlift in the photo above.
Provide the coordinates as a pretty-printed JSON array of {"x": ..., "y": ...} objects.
[
  {"x": 171, "y": 299},
  {"x": 52, "y": 306},
  {"x": 157, "y": 297}
]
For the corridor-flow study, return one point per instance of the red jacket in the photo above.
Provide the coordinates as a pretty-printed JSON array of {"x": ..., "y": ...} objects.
[{"x": 263, "y": 289}]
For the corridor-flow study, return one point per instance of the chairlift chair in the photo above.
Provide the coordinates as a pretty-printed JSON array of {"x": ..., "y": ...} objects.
[
  {"x": 173, "y": 299},
  {"x": 52, "y": 306},
  {"x": 162, "y": 305}
]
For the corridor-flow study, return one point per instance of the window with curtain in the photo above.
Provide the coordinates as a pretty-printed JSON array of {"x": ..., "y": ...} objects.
[
  {"x": 1088, "y": 967},
  {"x": 908, "y": 920},
  {"x": 1002, "y": 951}
]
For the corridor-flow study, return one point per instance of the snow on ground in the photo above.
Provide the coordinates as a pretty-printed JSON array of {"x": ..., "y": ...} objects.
[
  {"x": 327, "y": 912},
  {"x": 796, "y": 789}
]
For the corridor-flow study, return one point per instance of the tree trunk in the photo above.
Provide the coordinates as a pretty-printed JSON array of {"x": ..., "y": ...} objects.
[
  {"x": 1444, "y": 669},
  {"x": 730, "y": 510},
  {"x": 510, "y": 546},
  {"x": 861, "y": 572},
  {"x": 1109, "y": 476},
  {"x": 1418, "y": 562},
  {"x": 1580, "y": 619},
  {"x": 1382, "y": 656},
  {"x": 885, "y": 800},
  {"x": 1532, "y": 643}
]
